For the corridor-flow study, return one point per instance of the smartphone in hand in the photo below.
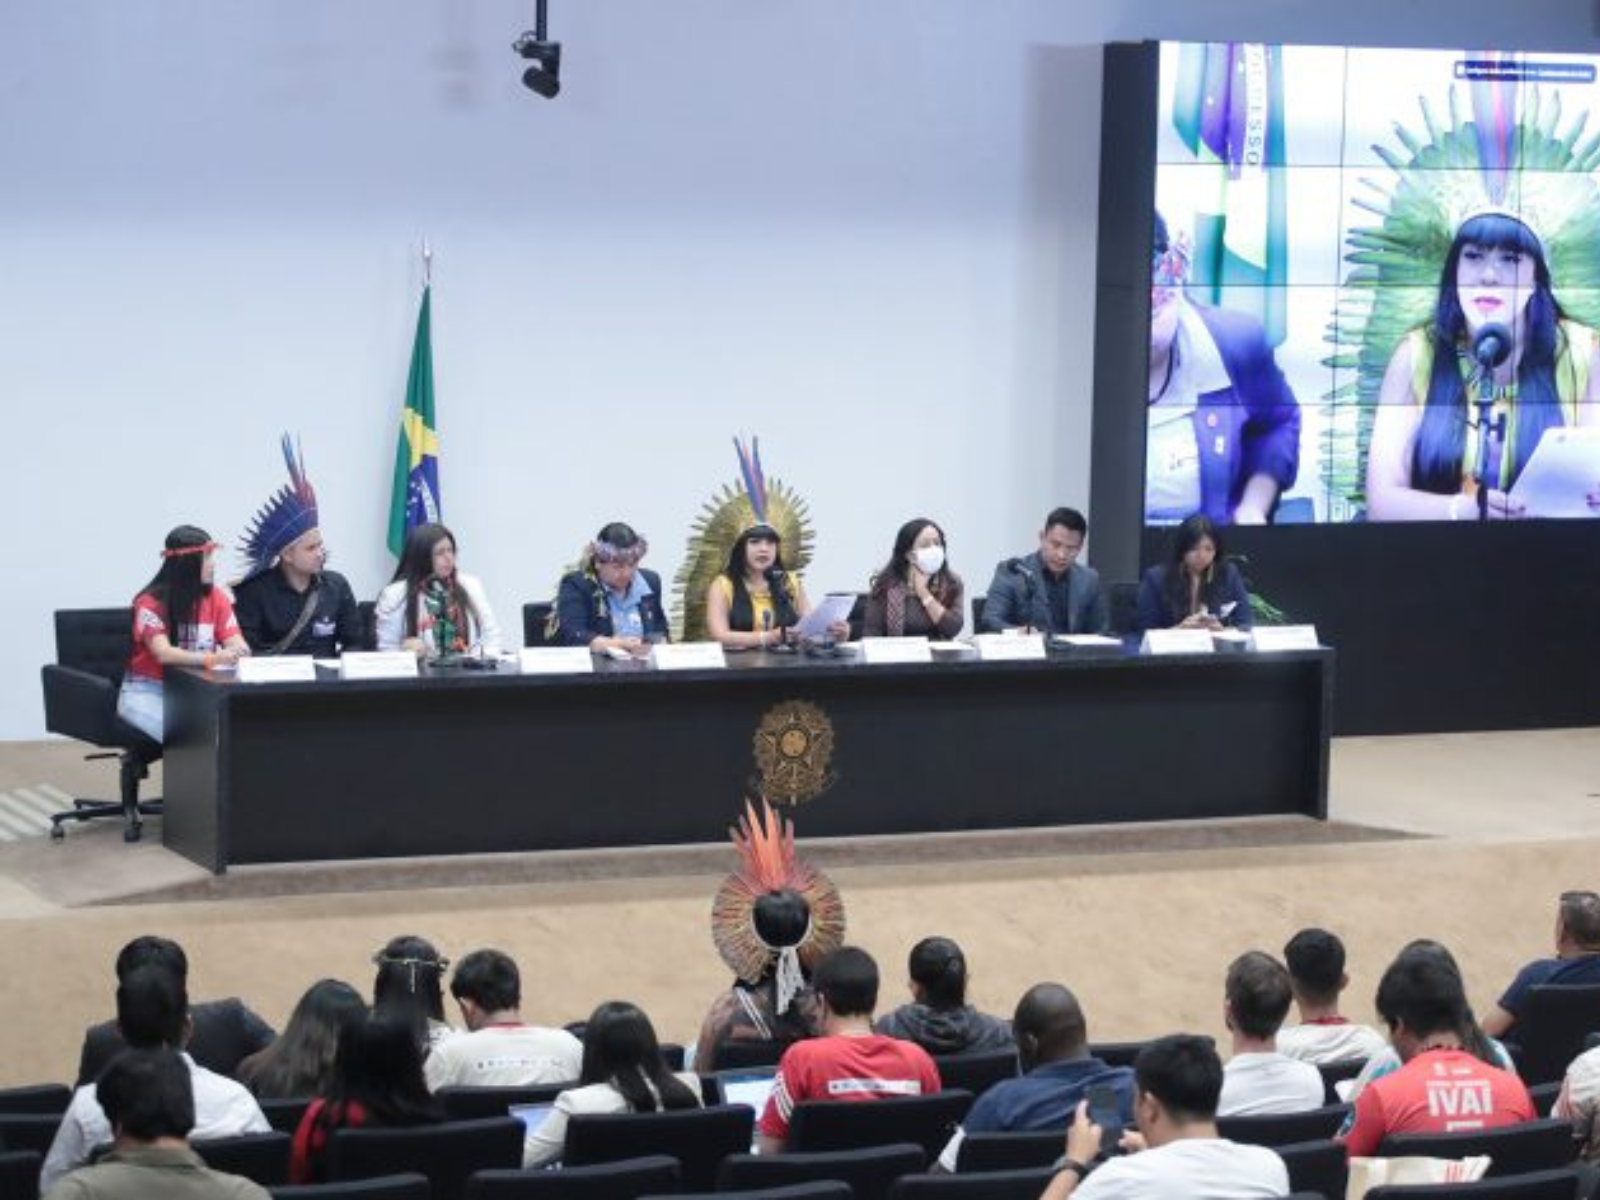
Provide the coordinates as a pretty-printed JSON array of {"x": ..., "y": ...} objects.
[{"x": 1106, "y": 1112}]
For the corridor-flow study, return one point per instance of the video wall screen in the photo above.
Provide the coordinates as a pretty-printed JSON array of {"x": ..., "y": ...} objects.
[{"x": 1375, "y": 279}]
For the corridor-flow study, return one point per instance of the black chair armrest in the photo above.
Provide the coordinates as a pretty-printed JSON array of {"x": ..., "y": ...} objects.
[{"x": 80, "y": 705}]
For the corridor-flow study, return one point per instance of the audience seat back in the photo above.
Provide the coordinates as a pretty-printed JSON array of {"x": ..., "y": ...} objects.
[
  {"x": 1283, "y": 1129},
  {"x": 1516, "y": 1149},
  {"x": 447, "y": 1154},
  {"x": 623, "y": 1180},
  {"x": 699, "y": 1138},
  {"x": 870, "y": 1172},
  {"x": 927, "y": 1121}
]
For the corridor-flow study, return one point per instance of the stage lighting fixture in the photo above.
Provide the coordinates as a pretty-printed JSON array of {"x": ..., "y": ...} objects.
[{"x": 544, "y": 76}]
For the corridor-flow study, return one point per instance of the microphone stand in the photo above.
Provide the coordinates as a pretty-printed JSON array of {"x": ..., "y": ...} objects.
[{"x": 1487, "y": 426}]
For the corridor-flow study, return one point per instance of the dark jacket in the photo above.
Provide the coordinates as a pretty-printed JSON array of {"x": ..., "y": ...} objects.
[
  {"x": 947, "y": 1030},
  {"x": 225, "y": 1032},
  {"x": 1016, "y": 599},
  {"x": 582, "y": 613},
  {"x": 1156, "y": 610},
  {"x": 267, "y": 608}
]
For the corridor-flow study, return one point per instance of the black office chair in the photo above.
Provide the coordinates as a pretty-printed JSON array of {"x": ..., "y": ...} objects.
[
  {"x": 1552, "y": 1029},
  {"x": 1284, "y": 1129},
  {"x": 1116, "y": 1054},
  {"x": 19, "y": 1174},
  {"x": 262, "y": 1157},
  {"x": 1540, "y": 1145},
  {"x": 983, "y": 1152},
  {"x": 284, "y": 1115},
  {"x": 928, "y": 1121},
  {"x": 699, "y": 1138},
  {"x": 29, "y": 1131},
  {"x": 367, "y": 610},
  {"x": 976, "y": 1073},
  {"x": 1122, "y": 606},
  {"x": 80, "y": 702},
  {"x": 476, "y": 1103},
  {"x": 447, "y": 1154},
  {"x": 1320, "y": 1167},
  {"x": 1537, "y": 1185},
  {"x": 36, "y": 1098},
  {"x": 535, "y": 622},
  {"x": 977, "y": 613},
  {"x": 750, "y": 1052},
  {"x": 870, "y": 1171},
  {"x": 992, "y": 1185},
  {"x": 830, "y": 1189},
  {"x": 1335, "y": 1073},
  {"x": 625, "y": 1180},
  {"x": 1544, "y": 1096},
  {"x": 409, "y": 1186}
]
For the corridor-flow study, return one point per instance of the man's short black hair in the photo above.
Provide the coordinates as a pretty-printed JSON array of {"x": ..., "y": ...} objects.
[
  {"x": 150, "y": 950},
  {"x": 1184, "y": 1073},
  {"x": 489, "y": 979},
  {"x": 1258, "y": 994},
  {"x": 1070, "y": 517},
  {"x": 848, "y": 980},
  {"x": 1315, "y": 959},
  {"x": 147, "y": 1094},
  {"x": 1580, "y": 917},
  {"x": 152, "y": 1007},
  {"x": 1423, "y": 993}
]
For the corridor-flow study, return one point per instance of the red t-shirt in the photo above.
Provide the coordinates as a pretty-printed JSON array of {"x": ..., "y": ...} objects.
[
  {"x": 214, "y": 625},
  {"x": 1438, "y": 1091},
  {"x": 873, "y": 1067}
]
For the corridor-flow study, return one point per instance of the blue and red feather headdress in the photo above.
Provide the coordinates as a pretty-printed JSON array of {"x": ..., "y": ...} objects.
[{"x": 289, "y": 515}]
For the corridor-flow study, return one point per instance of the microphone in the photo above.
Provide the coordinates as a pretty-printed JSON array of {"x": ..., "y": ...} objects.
[
  {"x": 1491, "y": 346},
  {"x": 766, "y": 620}
]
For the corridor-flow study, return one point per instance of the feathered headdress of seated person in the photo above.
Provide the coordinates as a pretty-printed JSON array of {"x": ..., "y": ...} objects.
[
  {"x": 1511, "y": 150},
  {"x": 287, "y": 516},
  {"x": 753, "y": 500},
  {"x": 777, "y": 916}
]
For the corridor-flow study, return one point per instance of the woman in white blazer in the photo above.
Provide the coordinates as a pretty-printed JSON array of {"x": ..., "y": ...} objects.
[{"x": 431, "y": 608}]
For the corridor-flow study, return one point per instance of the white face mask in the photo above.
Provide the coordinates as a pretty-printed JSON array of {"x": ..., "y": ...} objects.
[{"x": 929, "y": 559}]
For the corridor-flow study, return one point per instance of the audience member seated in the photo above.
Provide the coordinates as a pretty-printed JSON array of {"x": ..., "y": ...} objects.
[
  {"x": 1048, "y": 591},
  {"x": 1577, "y": 961},
  {"x": 377, "y": 1081},
  {"x": 152, "y": 1013},
  {"x": 1176, "y": 1154},
  {"x": 499, "y": 1049},
  {"x": 432, "y": 609},
  {"x": 772, "y": 920},
  {"x": 148, "y": 1099},
  {"x": 1197, "y": 587},
  {"x": 915, "y": 594},
  {"x": 300, "y": 1062},
  {"x": 223, "y": 1032},
  {"x": 1441, "y": 1088},
  {"x": 1477, "y": 1043},
  {"x": 622, "y": 1072},
  {"x": 939, "y": 1019},
  {"x": 1315, "y": 959},
  {"x": 1258, "y": 1079},
  {"x": 849, "y": 1061},
  {"x": 1579, "y": 1102},
  {"x": 410, "y": 987},
  {"x": 1058, "y": 1070},
  {"x": 610, "y": 602}
]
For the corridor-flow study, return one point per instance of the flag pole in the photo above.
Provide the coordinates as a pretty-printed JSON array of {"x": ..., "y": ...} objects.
[{"x": 427, "y": 264}]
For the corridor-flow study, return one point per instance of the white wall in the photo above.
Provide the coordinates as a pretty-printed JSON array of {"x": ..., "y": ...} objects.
[{"x": 864, "y": 231}]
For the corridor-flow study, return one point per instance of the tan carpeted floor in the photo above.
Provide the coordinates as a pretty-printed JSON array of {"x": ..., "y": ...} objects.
[{"x": 1463, "y": 838}]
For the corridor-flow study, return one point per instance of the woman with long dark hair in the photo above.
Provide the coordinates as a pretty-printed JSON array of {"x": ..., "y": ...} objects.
[
  {"x": 299, "y": 1062},
  {"x": 409, "y": 987},
  {"x": 755, "y": 603},
  {"x": 610, "y": 603},
  {"x": 622, "y": 1072},
  {"x": 1422, "y": 453},
  {"x": 1197, "y": 587},
  {"x": 939, "y": 1019},
  {"x": 179, "y": 620},
  {"x": 915, "y": 594},
  {"x": 430, "y": 607},
  {"x": 377, "y": 1081}
]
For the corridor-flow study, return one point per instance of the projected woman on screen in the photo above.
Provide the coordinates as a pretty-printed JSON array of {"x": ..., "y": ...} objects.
[{"x": 1423, "y": 448}]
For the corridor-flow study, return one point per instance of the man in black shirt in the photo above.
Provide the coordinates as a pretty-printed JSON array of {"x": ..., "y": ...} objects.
[{"x": 287, "y": 603}]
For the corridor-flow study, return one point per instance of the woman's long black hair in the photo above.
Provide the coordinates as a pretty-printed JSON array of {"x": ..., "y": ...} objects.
[
  {"x": 620, "y": 1048},
  {"x": 1439, "y": 457},
  {"x": 409, "y": 985},
  {"x": 1194, "y": 530},
  {"x": 300, "y": 1061},
  {"x": 899, "y": 569},
  {"x": 177, "y": 585},
  {"x": 379, "y": 1066},
  {"x": 782, "y": 595},
  {"x": 416, "y": 569}
]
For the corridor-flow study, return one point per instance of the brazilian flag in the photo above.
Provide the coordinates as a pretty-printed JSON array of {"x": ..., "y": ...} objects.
[{"x": 415, "y": 499}]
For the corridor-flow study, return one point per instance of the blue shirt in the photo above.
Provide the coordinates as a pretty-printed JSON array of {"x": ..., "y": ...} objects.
[
  {"x": 1046, "y": 1097},
  {"x": 626, "y": 619},
  {"x": 1568, "y": 972}
]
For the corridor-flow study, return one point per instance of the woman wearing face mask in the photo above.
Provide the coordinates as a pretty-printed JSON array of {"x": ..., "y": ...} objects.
[
  {"x": 432, "y": 609},
  {"x": 916, "y": 594}
]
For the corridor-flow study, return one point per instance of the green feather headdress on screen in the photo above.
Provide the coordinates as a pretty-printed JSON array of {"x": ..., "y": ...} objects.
[
  {"x": 1531, "y": 164},
  {"x": 753, "y": 500}
]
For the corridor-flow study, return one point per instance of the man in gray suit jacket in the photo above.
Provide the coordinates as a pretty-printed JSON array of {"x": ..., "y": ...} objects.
[{"x": 1049, "y": 590}]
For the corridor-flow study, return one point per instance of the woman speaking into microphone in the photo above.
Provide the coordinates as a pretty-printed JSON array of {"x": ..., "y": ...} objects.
[
  {"x": 755, "y": 603},
  {"x": 432, "y": 609}
]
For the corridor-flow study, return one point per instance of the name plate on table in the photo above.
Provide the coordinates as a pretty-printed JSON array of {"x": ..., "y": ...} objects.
[
  {"x": 1267, "y": 638},
  {"x": 1009, "y": 647},
  {"x": 896, "y": 650},
  {"x": 286, "y": 668},
  {"x": 1177, "y": 641},
  {"x": 688, "y": 656},
  {"x": 556, "y": 660},
  {"x": 378, "y": 664}
]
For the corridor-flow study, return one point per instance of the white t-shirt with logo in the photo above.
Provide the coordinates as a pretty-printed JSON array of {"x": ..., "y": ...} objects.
[
  {"x": 1190, "y": 1169},
  {"x": 1318, "y": 1043}
]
